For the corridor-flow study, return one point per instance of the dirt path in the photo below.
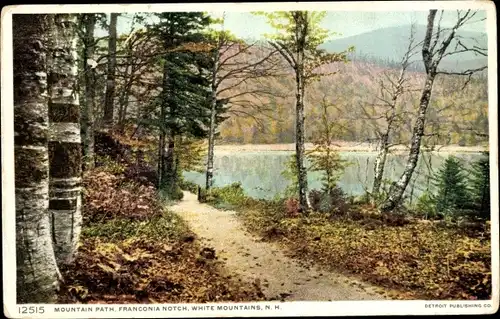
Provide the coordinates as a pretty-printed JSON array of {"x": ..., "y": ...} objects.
[{"x": 254, "y": 260}]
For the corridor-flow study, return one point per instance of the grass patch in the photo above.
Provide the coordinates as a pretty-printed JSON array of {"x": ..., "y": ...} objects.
[{"x": 167, "y": 226}]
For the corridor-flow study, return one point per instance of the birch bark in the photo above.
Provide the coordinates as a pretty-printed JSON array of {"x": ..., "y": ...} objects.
[
  {"x": 64, "y": 140},
  {"x": 37, "y": 272}
]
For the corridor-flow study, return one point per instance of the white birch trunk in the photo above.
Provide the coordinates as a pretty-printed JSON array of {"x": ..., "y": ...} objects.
[
  {"x": 213, "y": 114},
  {"x": 397, "y": 190},
  {"x": 64, "y": 141},
  {"x": 37, "y": 272}
]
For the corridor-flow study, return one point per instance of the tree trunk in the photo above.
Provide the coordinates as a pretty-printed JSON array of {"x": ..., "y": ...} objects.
[
  {"x": 300, "y": 136},
  {"x": 161, "y": 155},
  {"x": 124, "y": 95},
  {"x": 211, "y": 131},
  {"x": 380, "y": 165},
  {"x": 64, "y": 140},
  {"x": 110, "y": 78},
  {"x": 162, "y": 124},
  {"x": 397, "y": 190},
  {"x": 169, "y": 174},
  {"x": 211, "y": 145},
  {"x": 89, "y": 78},
  {"x": 37, "y": 272}
]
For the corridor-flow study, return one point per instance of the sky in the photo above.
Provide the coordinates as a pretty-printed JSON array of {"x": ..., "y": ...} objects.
[{"x": 344, "y": 23}]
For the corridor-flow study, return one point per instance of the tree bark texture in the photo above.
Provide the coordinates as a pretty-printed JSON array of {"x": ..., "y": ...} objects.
[
  {"x": 37, "y": 272},
  {"x": 397, "y": 190},
  {"x": 380, "y": 164},
  {"x": 300, "y": 127},
  {"x": 211, "y": 131},
  {"x": 110, "y": 78},
  {"x": 64, "y": 140},
  {"x": 89, "y": 107}
]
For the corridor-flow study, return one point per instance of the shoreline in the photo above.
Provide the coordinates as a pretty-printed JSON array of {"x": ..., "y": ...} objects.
[{"x": 341, "y": 147}]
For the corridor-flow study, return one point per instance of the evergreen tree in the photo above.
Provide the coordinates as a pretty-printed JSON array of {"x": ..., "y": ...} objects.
[
  {"x": 480, "y": 185},
  {"x": 323, "y": 158},
  {"x": 185, "y": 88},
  {"x": 290, "y": 173},
  {"x": 451, "y": 185}
]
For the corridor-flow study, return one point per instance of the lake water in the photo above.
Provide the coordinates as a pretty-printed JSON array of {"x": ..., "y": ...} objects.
[{"x": 260, "y": 172}]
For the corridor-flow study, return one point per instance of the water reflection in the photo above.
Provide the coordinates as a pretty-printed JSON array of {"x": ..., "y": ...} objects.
[{"x": 260, "y": 172}]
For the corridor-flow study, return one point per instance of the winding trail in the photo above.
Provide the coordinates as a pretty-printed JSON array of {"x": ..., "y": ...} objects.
[{"x": 256, "y": 261}]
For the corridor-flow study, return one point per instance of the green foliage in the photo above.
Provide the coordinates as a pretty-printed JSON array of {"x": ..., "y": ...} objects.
[
  {"x": 426, "y": 205},
  {"x": 170, "y": 193},
  {"x": 109, "y": 165},
  {"x": 300, "y": 31},
  {"x": 452, "y": 193},
  {"x": 188, "y": 186},
  {"x": 291, "y": 173},
  {"x": 323, "y": 158},
  {"x": 183, "y": 98},
  {"x": 228, "y": 196},
  {"x": 479, "y": 181},
  {"x": 167, "y": 226},
  {"x": 191, "y": 153}
]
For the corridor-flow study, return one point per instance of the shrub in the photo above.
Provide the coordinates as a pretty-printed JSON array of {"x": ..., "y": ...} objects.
[
  {"x": 291, "y": 173},
  {"x": 480, "y": 185},
  {"x": 452, "y": 194},
  {"x": 107, "y": 196},
  {"x": 292, "y": 207},
  {"x": 426, "y": 206},
  {"x": 334, "y": 202},
  {"x": 142, "y": 173},
  {"x": 171, "y": 193},
  {"x": 164, "y": 226},
  {"x": 188, "y": 186},
  {"x": 231, "y": 195}
]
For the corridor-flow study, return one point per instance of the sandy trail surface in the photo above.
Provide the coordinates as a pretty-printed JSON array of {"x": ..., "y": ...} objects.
[{"x": 256, "y": 261}]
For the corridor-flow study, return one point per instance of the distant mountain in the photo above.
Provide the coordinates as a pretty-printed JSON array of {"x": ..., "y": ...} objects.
[{"x": 390, "y": 44}]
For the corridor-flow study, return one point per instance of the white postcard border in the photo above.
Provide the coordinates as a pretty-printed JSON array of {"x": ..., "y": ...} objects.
[{"x": 347, "y": 308}]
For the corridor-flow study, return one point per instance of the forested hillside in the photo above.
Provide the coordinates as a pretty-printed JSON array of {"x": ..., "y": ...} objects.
[{"x": 457, "y": 113}]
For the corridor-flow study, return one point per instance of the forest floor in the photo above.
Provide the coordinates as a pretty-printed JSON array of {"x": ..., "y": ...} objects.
[
  {"x": 406, "y": 256},
  {"x": 134, "y": 250},
  {"x": 247, "y": 256}
]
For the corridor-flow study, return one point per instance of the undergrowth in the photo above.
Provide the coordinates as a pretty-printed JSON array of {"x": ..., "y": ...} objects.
[
  {"x": 133, "y": 250},
  {"x": 418, "y": 258}
]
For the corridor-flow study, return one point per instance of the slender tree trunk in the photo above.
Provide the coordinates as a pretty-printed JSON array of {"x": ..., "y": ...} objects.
[
  {"x": 300, "y": 136},
  {"x": 88, "y": 109},
  {"x": 64, "y": 140},
  {"x": 211, "y": 131},
  {"x": 169, "y": 166},
  {"x": 397, "y": 190},
  {"x": 123, "y": 101},
  {"x": 161, "y": 155},
  {"x": 110, "y": 78},
  {"x": 37, "y": 272},
  {"x": 380, "y": 165},
  {"x": 162, "y": 124}
]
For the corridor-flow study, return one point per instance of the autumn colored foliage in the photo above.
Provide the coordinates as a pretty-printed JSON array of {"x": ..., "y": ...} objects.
[
  {"x": 422, "y": 260},
  {"x": 142, "y": 270},
  {"x": 414, "y": 258},
  {"x": 132, "y": 250}
]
